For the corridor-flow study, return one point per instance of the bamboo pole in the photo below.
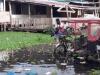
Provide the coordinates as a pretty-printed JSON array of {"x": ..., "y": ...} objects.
[{"x": 4, "y": 5}]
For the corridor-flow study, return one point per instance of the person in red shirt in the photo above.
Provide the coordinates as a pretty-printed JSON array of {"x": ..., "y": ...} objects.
[
  {"x": 59, "y": 31},
  {"x": 93, "y": 37}
]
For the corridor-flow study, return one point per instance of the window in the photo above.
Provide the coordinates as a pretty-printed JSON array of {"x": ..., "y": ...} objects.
[
  {"x": 58, "y": 14},
  {"x": 24, "y": 9},
  {"x": 20, "y": 25},
  {"x": 16, "y": 8},
  {"x": 40, "y": 10},
  {"x": 7, "y": 6},
  {"x": 32, "y": 9}
]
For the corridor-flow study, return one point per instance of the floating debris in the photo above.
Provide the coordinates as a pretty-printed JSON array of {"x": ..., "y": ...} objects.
[
  {"x": 31, "y": 72},
  {"x": 18, "y": 70},
  {"x": 27, "y": 69},
  {"x": 10, "y": 73},
  {"x": 48, "y": 73}
]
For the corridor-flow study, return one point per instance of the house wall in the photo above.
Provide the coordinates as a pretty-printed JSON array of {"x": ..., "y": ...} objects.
[
  {"x": 34, "y": 22},
  {"x": 24, "y": 16},
  {"x": 49, "y": 10},
  {"x": 30, "y": 16}
]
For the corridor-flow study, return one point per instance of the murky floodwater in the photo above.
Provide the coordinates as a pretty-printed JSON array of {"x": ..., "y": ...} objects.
[{"x": 46, "y": 69}]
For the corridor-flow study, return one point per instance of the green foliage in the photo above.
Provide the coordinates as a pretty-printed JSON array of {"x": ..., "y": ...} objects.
[
  {"x": 49, "y": 30},
  {"x": 54, "y": 72},
  {"x": 94, "y": 72},
  {"x": 17, "y": 40}
]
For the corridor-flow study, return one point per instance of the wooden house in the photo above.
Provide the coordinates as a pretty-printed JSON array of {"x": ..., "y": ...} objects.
[
  {"x": 24, "y": 14},
  {"x": 35, "y": 14}
]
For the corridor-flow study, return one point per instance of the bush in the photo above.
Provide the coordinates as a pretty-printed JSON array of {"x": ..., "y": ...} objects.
[
  {"x": 94, "y": 72},
  {"x": 49, "y": 30}
]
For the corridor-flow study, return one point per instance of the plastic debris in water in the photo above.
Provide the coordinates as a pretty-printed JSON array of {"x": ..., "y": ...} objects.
[
  {"x": 27, "y": 69},
  {"x": 32, "y": 72},
  {"x": 18, "y": 70},
  {"x": 48, "y": 73},
  {"x": 10, "y": 73},
  {"x": 51, "y": 73}
]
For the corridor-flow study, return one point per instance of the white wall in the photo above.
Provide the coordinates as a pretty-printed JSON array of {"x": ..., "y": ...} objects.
[
  {"x": 1, "y": 5},
  {"x": 4, "y": 17}
]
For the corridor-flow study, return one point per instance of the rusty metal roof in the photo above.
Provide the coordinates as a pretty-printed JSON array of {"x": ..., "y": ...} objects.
[{"x": 22, "y": 0}]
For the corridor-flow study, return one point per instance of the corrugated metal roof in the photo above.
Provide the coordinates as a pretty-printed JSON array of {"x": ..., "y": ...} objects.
[
  {"x": 67, "y": 0},
  {"x": 45, "y": 0},
  {"x": 22, "y": 0},
  {"x": 56, "y": 3}
]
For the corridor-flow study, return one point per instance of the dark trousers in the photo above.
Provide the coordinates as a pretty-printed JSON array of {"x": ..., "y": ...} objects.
[{"x": 91, "y": 46}]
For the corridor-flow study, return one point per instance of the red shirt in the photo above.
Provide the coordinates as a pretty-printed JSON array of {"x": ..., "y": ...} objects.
[{"x": 95, "y": 37}]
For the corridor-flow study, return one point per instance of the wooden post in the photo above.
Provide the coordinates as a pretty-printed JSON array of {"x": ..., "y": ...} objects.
[
  {"x": 95, "y": 8},
  {"x": 29, "y": 10},
  {"x": 4, "y": 9},
  {"x": 4, "y": 27},
  {"x": 97, "y": 13},
  {"x": 75, "y": 36},
  {"x": 98, "y": 9},
  {"x": 52, "y": 15},
  {"x": 70, "y": 15},
  {"x": 67, "y": 12},
  {"x": 1, "y": 27},
  {"x": 10, "y": 13},
  {"x": 89, "y": 30},
  {"x": 4, "y": 5}
]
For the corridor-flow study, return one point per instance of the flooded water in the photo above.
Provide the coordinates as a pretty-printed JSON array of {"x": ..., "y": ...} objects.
[{"x": 46, "y": 69}]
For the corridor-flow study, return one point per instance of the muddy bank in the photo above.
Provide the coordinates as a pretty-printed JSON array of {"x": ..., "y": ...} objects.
[{"x": 37, "y": 54}]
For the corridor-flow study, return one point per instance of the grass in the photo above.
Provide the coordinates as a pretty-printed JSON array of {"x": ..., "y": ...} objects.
[{"x": 17, "y": 40}]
